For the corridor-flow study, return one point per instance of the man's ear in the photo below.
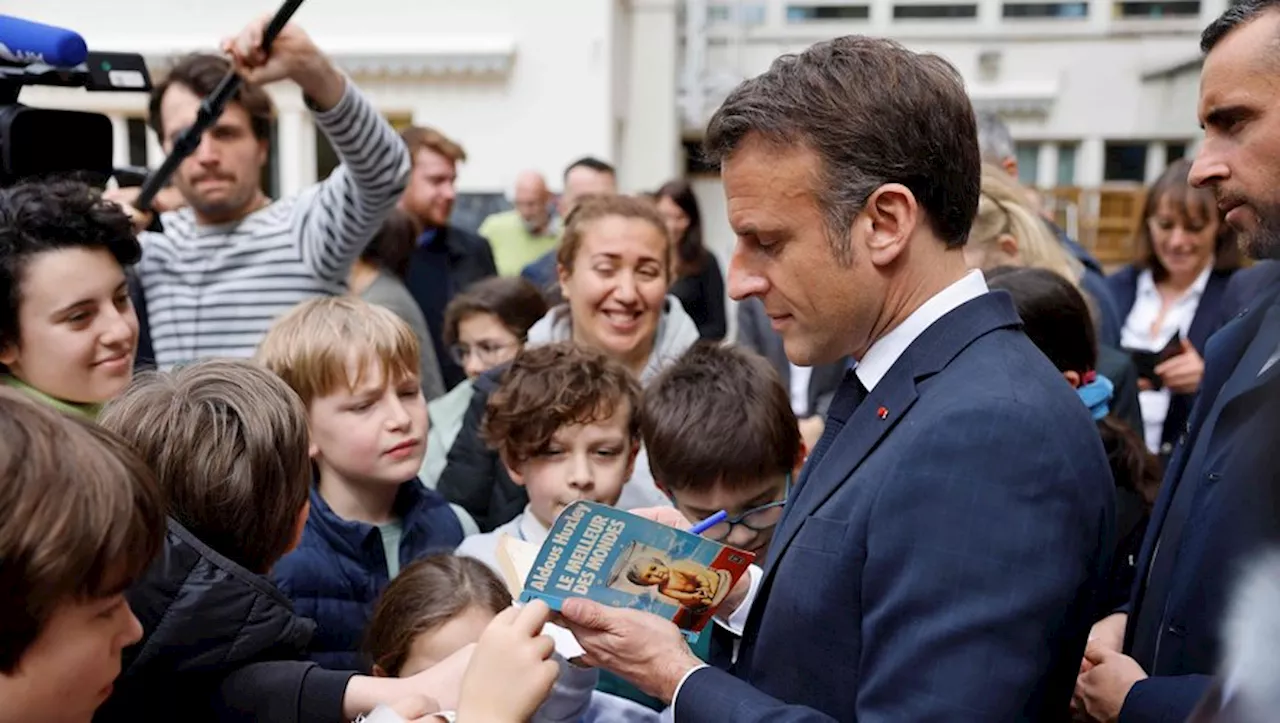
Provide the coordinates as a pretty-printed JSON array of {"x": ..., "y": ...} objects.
[
  {"x": 264, "y": 152},
  {"x": 8, "y": 354},
  {"x": 893, "y": 216}
]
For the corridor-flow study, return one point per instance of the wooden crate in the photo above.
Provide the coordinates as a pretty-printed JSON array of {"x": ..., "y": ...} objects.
[{"x": 1105, "y": 218}]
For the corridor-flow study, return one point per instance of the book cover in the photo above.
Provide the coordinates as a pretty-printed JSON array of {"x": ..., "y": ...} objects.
[{"x": 623, "y": 560}]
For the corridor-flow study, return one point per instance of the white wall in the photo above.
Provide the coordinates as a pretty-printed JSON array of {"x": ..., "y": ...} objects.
[{"x": 554, "y": 105}]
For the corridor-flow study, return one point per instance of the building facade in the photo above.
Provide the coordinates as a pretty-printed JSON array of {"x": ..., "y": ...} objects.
[{"x": 1096, "y": 92}]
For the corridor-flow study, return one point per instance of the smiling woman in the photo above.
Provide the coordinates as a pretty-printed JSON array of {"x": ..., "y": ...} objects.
[
  {"x": 615, "y": 265},
  {"x": 68, "y": 331}
]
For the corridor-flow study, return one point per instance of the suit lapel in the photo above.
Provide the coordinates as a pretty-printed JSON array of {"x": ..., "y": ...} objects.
[
  {"x": 894, "y": 395},
  {"x": 1246, "y": 377}
]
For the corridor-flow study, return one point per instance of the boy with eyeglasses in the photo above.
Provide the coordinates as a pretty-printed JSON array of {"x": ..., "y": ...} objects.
[{"x": 720, "y": 434}]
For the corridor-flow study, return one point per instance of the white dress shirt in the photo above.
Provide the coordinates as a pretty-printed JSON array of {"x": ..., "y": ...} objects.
[
  {"x": 799, "y": 378},
  {"x": 872, "y": 368},
  {"x": 1141, "y": 332}
]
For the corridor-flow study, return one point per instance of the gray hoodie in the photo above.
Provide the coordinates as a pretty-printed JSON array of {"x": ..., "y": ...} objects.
[{"x": 676, "y": 333}]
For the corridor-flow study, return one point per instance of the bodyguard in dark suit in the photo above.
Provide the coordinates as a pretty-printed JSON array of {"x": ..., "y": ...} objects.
[
  {"x": 1245, "y": 287},
  {"x": 1218, "y": 504},
  {"x": 940, "y": 556}
]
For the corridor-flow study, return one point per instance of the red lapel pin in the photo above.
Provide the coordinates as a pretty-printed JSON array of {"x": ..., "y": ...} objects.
[{"x": 882, "y": 413}]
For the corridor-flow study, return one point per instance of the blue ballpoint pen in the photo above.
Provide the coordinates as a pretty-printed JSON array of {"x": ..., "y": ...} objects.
[{"x": 710, "y": 522}]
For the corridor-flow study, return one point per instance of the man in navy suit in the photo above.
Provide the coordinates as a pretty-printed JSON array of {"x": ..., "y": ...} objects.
[
  {"x": 1217, "y": 508},
  {"x": 942, "y": 552}
]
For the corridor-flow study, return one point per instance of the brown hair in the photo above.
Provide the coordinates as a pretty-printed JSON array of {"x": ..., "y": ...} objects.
[
  {"x": 311, "y": 345},
  {"x": 718, "y": 415},
  {"x": 201, "y": 73},
  {"x": 594, "y": 208},
  {"x": 689, "y": 248},
  {"x": 391, "y": 248},
  {"x": 426, "y": 594},
  {"x": 417, "y": 138},
  {"x": 514, "y": 300},
  {"x": 874, "y": 113},
  {"x": 83, "y": 517},
  {"x": 1191, "y": 204},
  {"x": 228, "y": 443},
  {"x": 553, "y": 386}
]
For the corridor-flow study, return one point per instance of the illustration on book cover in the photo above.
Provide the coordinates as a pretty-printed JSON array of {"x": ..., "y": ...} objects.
[{"x": 623, "y": 560}]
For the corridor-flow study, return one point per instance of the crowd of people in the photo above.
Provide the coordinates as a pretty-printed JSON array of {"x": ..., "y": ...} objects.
[{"x": 259, "y": 454}]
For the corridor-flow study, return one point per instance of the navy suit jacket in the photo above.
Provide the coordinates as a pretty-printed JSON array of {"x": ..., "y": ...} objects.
[
  {"x": 942, "y": 561},
  {"x": 541, "y": 272},
  {"x": 1246, "y": 285},
  {"x": 1217, "y": 507},
  {"x": 1208, "y": 319}
]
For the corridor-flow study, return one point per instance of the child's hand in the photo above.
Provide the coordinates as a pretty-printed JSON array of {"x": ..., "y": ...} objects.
[{"x": 511, "y": 671}]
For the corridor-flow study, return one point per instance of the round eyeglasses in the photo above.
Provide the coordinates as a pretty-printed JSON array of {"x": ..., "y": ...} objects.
[{"x": 757, "y": 519}]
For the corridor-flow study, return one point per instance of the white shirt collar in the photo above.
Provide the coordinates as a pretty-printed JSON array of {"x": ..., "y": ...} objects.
[
  {"x": 530, "y": 529},
  {"x": 886, "y": 350},
  {"x": 1147, "y": 283}
]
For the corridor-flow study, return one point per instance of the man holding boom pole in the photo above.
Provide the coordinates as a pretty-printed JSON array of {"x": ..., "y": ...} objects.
[{"x": 231, "y": 259}]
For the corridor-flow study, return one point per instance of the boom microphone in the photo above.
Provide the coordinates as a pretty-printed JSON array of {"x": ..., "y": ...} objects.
[{"x": 24, "y": 42}]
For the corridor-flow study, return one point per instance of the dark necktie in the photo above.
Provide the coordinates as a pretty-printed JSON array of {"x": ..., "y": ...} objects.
[{"x": 849, "y": 395}]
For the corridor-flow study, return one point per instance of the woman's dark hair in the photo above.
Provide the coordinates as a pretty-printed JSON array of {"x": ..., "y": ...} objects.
[
  {"x": 1056, "y": 318},
  {"x": 1191, "y": 204},
  {"x": 515, "y": 301},
  {"x": 392, "y": 247},
  {"x": 690, "y": 252},
  {"x": 425, "y": 595},
  {"x": 52, "y": 215}
]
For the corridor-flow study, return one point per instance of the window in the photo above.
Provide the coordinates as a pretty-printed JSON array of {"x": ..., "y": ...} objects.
[
  {"x": 1175, "y": 151},
  {"x": 1125, "y": 161},
  {"x": 138, "y": 131},
  {"x": 1158, "y": 9},
  {"x": 1067, "y": 164},
  {"x": 733, "y": 12},
  {"x": 934, "y": 12},
  {"x": 1046, "y": 10},
  {"x": 327, "y": 158},
  {"x": 1028, "y": 155},
  {"x": 810, "y": 13}
]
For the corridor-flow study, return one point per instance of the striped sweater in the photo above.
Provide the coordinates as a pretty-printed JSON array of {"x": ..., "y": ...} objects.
[{"x": 212, "y": 291}]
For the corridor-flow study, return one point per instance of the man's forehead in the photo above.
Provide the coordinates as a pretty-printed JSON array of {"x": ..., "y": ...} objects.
[{"x": 180, "y": 105}]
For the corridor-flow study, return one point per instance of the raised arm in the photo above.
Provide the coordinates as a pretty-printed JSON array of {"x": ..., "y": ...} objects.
[{"x": 336, "y": 218}]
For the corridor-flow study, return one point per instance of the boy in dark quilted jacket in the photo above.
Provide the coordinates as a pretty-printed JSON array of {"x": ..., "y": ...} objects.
[
  {"x": 228, "y": 443},
  {"x": 355, "y": 367}
]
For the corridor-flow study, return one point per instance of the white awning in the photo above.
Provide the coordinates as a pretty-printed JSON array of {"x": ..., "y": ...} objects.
[
  {"x": 1014, "y": 100},
  {"x": 402, "y": 56}
]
